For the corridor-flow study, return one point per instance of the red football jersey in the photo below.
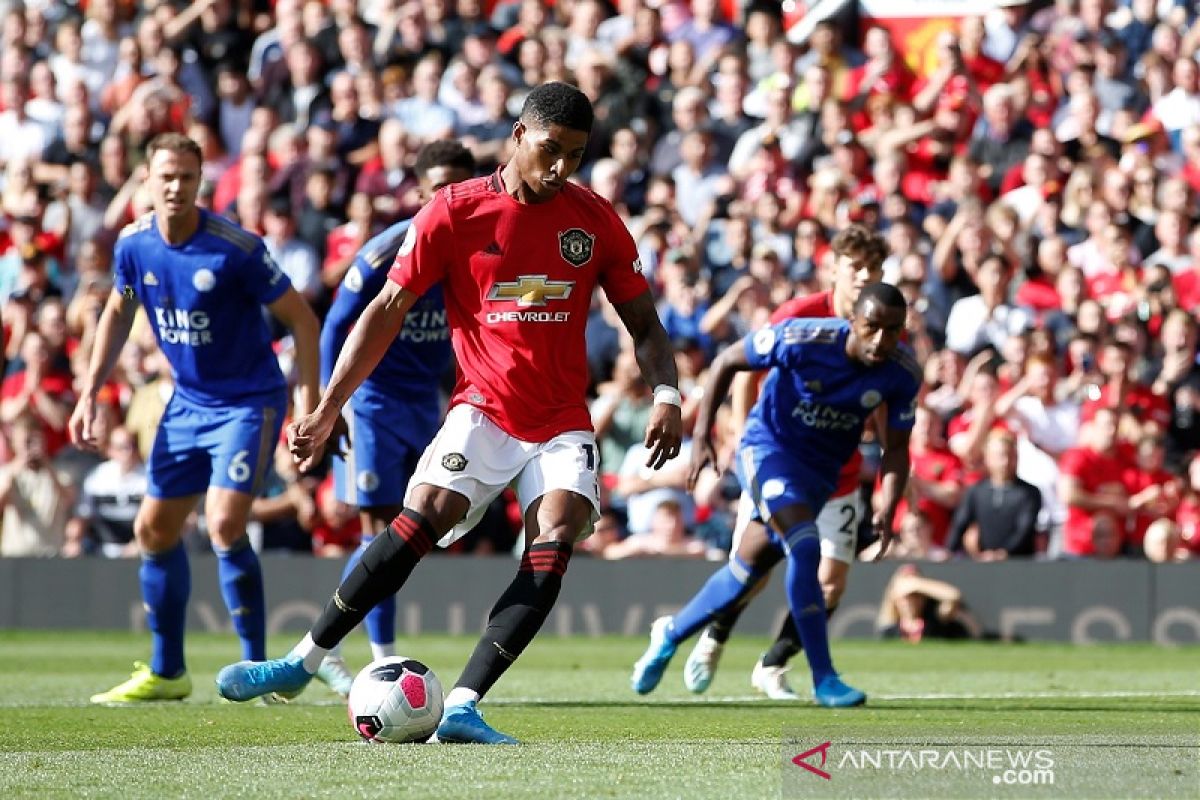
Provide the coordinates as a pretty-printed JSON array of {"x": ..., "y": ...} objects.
[
  {"x": 812, "y": 306},
  {"x": 1095, "y": 472},
  {"x": 518, "y": 281},
  {"x": 820, "y": 306}
]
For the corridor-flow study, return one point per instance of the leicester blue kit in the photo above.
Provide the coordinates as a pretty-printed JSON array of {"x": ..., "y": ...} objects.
[
  {"x": 812, "y": 409},
  {"x": 204, "y": 301},
  {"x": 395, "y": 412}
]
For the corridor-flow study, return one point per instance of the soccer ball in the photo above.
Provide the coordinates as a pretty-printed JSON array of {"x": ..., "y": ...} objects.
[{"x": 395, "y": 699}]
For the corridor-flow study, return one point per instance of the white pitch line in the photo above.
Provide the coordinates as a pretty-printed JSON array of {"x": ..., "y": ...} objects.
[
  {"x": 725, "y": 700},
  {"x": 1037, "y": 695},
  {"x": 700, "y": 701}
]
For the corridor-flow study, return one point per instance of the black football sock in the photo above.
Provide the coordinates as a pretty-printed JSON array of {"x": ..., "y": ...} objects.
[
  {"x": 383, "y": 569},
  {"x": 517, "y": 616},
  {"x": 787, "y": 642},
  {"x": 722, "y": 625}
]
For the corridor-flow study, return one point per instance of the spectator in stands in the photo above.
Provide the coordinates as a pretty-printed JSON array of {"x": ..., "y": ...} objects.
[
  {"x": 935, "y": 483},
  {"x": 294, "y": 256},
  {"x": 967, "y": 431},
  {"x": 1001, "y": 140},
  {"x": 422, "y": 114},
  {"x": 40, "y": 390},
  {"x": 300, "y": 95},
  {"x": 36, "y": 502},
  {"x": 108, "y": 502},
  {"x": 1090, "y": 486},
  {"x": 986, "y": 319},
  {"x": 235, "y": 104},
  {"x": 619, "y": 413},
  {"x": 490, "y": 135},
  {"x": 388, "y": 178},
  {"x": 998, "y": 516},
  {"x": 1154, "y": 493},
  {"x": 666, "y": 536},
  {"x": 1139, "y": 408},
  {"x": 285, "y": 511},
  {"x": 643, "y": 489},
  {"x": 344, "y": 241}
]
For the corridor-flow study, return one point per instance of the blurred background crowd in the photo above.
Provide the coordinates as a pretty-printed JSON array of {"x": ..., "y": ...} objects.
[{"x": 1035, "y": 170}]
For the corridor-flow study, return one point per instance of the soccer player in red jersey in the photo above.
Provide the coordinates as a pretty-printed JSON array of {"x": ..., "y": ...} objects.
[
  {"x": 860, "y": 254},
  {"x": 518, "y": 253}
]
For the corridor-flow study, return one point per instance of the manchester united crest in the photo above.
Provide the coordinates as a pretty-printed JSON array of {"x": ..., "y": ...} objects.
[
  {"x": 575, "y": 245},
  {"x": 454, "y": 462}
]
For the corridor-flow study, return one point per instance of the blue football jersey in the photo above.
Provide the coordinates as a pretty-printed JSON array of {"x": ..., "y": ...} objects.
[
  {"x": 816, "y": 399},
  {"x": 204, "y": 300},
  {"x": 420, "y": 354}
]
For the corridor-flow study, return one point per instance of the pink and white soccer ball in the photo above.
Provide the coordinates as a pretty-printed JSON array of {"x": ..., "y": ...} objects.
[{"x": 395, "y": 699}]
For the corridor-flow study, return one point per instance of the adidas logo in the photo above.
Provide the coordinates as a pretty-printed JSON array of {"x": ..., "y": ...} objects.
[
  {"x": 492, "y": 249},
  {"x": 150, "y": 280}
]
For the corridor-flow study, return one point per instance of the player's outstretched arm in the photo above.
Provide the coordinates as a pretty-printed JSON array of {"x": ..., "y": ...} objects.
[
  {"x": 111, "y": 333},
  {"x": 656, "y": 358},
  {"x": 728, "y": 363},
  {"x": 364, "y": 349},
  {"x": 295, "y": 313},
  {"x": 893, "y": 471}
]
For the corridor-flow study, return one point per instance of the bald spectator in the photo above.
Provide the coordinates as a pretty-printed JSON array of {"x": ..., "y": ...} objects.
[
  {"x": 1001, "y": 139},
  {"x": 998, "y": 516},
  {"x": 689, "y": 113}
]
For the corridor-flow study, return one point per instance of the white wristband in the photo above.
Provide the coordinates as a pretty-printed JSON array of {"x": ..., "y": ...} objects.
[{"x": 667, "y": 394}]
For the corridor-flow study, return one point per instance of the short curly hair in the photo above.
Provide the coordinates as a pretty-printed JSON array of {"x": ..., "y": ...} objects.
[
  {"x": 557, "y": 103},
  {"x": 444, "y": 153},
  {"x": 862, "y": 244}
]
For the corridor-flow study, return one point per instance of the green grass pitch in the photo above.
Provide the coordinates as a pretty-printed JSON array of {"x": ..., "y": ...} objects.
[{"x": 1120, "y": 721}]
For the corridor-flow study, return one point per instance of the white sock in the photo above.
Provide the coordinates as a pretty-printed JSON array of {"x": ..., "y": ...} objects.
[
  {"x": 335, "y": 651},
  {"x": 379, "y": 651},
  {"x": 460, "y": 696},
  {"x": 312, "y": 655}
]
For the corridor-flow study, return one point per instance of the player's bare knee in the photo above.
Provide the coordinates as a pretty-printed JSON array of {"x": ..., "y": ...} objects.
[
  {"x": 150, "y": 538},
  {"x": 226, "y": 530},
  {"x": 563, "y": 532},
  {"x": 833, "y": 590},
  {"x": 441, "y": 508}
]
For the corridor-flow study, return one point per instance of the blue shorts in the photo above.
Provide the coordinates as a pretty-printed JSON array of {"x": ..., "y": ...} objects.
[
  {"x": 776, "y": 479},
  {"x": 201, "y": 446},
  {"x": 387, "y": 437}
]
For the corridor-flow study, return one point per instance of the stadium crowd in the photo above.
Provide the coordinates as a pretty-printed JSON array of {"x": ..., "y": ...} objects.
[{"x": 1036, "y": 180}]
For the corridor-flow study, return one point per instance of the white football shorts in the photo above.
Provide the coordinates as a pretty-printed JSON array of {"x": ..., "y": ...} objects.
[
  {"x": 472, "y": 456},
  {"x": 837, "y": 525}
]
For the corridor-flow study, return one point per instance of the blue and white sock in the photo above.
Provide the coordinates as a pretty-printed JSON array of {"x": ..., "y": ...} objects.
[
  {"x": 807, "y": 601},
  {"x": 241, "y": 580},
  {"x": 166, "y": 582},
  {"x": 721, "y": 591}
]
